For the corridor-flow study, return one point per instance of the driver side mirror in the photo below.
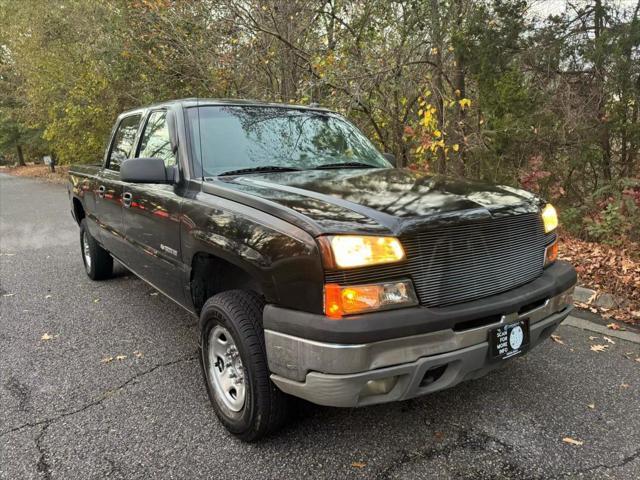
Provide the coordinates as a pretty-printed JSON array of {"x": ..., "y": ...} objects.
[
  {"x": 146, "y": 170},
  {"x": 391, "y": 158}
]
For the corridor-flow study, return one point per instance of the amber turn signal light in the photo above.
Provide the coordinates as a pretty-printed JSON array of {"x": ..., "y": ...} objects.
[
  {"x": 551, "y": 253},
  {"x": 347, "y": 300}
]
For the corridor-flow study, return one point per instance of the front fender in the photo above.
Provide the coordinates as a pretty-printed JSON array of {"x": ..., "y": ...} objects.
[{"x": 283, "y": 259}]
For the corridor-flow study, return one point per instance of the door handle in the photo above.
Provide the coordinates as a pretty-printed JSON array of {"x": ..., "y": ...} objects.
[
  {"x": 126, "y": 199},
  {"x": 101, "y": 190}
]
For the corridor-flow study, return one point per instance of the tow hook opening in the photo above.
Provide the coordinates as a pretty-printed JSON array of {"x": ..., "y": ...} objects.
[{"x": 433, "y": 375}]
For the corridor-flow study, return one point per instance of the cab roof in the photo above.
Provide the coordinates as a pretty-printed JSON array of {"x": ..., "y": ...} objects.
[{"x": 194, "y": 102}]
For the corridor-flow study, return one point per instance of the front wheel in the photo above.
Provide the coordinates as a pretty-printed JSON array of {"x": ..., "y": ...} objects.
[
  {"x": 98, "y": 263},
  {"x": 234, "y": 364}
]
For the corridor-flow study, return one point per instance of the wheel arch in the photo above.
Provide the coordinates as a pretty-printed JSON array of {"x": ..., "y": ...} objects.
[
  {"x": 213, "y": 273},
  {"x": 78, "y": 210}
]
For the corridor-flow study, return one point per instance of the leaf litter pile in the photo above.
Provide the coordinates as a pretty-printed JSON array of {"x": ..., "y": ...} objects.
[
  {"x": 607, "y": 269},
  {"x": 41, "y": 172}
]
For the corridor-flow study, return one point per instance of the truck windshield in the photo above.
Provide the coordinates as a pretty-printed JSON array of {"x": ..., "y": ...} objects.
[{"x": 256, "y": 138}]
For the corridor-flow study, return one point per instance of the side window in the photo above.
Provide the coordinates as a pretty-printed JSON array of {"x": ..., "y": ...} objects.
[
  {"x": 155, "y": 141},
  {"x": 123, "y": 141}
]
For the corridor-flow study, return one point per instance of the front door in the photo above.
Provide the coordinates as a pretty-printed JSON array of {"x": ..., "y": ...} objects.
[
  {"x": 110, "y": 188},
  {"x": 151, "y": 216}
]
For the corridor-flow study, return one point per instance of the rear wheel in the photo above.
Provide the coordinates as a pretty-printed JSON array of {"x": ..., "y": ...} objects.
[
  {"x": 234, "y": 364},
  {"x": 98, "y": 263}
]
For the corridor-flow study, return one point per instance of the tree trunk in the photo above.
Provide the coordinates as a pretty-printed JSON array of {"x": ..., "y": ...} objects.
[
  {"x": 438, "y": 83},
  {"x": 634, "y": 146},
  {"x": 630, "y": 160},
  {"x": 605, "y": 141},
  {"x": 460, "y": 86},
  {"x": 20, "y": 156}
]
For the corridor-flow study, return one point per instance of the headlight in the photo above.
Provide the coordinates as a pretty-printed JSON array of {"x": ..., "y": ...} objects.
[
  {"x": 349, "y": 251},
  {"x": 550, "y": 218},
  {"x": 342, "y": 300}
]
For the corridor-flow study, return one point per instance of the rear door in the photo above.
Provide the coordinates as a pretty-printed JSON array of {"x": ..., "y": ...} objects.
[
  {"x": 152, "y": 215},
  {"x": 110, "y": 188}
]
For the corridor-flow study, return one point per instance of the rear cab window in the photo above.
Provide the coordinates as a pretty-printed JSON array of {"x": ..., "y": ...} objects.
[{"x": 123, "y": 141}]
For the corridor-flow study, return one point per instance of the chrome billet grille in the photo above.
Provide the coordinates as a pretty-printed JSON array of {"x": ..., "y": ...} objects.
[{"x": 458, "y": 263}]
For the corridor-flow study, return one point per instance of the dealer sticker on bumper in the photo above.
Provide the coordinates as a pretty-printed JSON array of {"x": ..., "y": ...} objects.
[{"x": 509, "y": 340}]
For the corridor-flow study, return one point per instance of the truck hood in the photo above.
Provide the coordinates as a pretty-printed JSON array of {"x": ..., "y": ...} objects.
[{"x": 385, "y": 201}]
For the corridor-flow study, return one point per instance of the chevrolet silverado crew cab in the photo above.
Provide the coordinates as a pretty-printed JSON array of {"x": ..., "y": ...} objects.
[{"x": 317, "y": 269}]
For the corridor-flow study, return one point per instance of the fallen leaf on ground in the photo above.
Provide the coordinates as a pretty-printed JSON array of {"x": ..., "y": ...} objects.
[
  {"x": 438, "y": 435},
  {"x": 592, "y": 406},
  {"x": 638, "y": 359},
  {"x": 613, "y": 326},
  {"x": 120, "y": 357},
  {"x": 624, "y": 385},
  {"x": 358, "y": 464},
  {"x": 607, "y": 270},
  {"x": 557, "y": 339},
  {"x": 46, "y": 336},
  {"x": 609, "y": 340},
  {"x": 106, "y": 360},
  {"x": 572, "y": 441},
  {"x": 138, "y": 354},
  {"x": 599, "y": 348}
]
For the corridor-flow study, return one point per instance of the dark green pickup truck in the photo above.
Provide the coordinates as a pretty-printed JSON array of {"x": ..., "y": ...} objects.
[{"x": 316, "y": 267}]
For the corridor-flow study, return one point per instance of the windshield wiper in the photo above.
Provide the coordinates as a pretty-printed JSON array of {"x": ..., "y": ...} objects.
[
  {"x": 345, "y": 165},
  {"x": 261, "y": 169}
]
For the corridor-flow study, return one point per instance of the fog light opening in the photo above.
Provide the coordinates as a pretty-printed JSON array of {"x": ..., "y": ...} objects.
[{"x": 379, "y": 386}]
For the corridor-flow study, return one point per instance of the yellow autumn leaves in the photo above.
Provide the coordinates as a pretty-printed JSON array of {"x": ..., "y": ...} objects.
[
  {"x": 431, "y": 138},
  {"x": 464, "y": 103}
]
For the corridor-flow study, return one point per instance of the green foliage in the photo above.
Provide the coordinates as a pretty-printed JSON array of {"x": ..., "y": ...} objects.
[
  {"x": 572, "y": 220},
  {"x": 610, "y": 215}
]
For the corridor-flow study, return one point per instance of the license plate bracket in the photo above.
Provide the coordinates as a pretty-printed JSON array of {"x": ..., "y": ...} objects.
[{"x": 509, "y": 340}]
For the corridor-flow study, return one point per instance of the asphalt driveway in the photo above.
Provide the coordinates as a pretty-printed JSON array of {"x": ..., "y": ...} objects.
[{"x": 101, "y": 380}]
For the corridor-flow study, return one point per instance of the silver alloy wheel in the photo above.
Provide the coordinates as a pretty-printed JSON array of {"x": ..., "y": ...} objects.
[
  {"x": 86, "y": 251},
  {"x": 225, "y": 368}
]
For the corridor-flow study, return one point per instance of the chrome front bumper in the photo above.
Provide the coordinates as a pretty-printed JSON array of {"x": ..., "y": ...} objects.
[{"x": 363, "y": 374}]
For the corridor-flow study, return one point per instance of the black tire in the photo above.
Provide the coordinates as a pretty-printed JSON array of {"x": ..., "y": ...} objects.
[
  {"x": 100, "y": 263},
  {"x": 264, "y": 410}
]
